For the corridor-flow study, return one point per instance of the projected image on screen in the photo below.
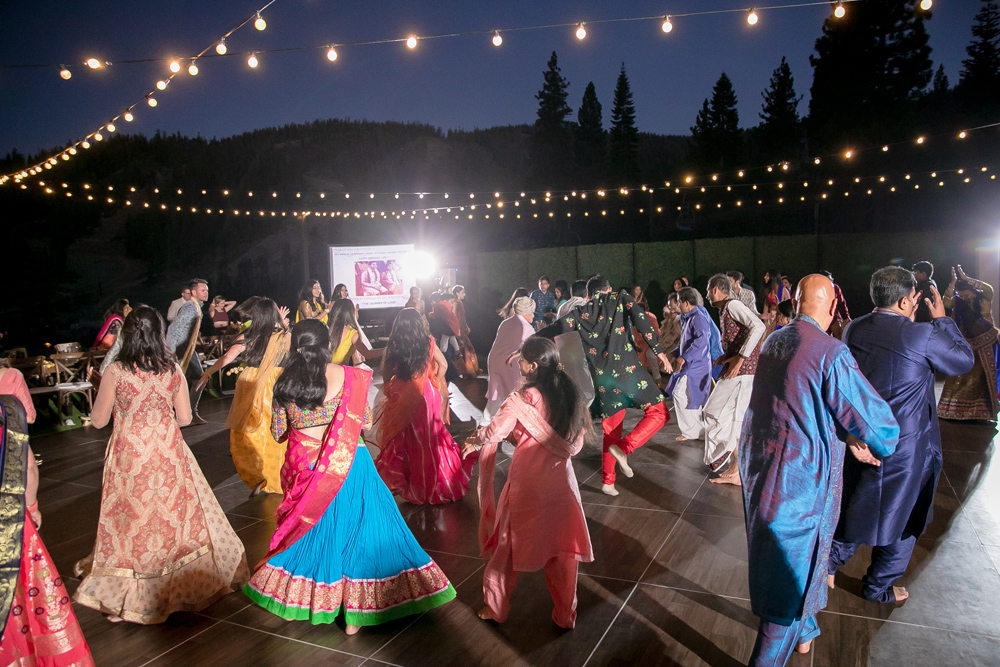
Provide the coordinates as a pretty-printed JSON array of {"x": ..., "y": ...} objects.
[{"x": 376, "y": 276}]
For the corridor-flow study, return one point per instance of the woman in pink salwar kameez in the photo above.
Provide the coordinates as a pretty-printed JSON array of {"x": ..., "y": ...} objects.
[
  {"x": 539, "y": 521},
  {"x": 419, "y": 460}
]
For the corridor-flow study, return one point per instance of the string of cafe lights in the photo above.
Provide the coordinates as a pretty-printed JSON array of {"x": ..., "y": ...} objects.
[
  {"x": 176, "y": 64},
  {"x": 755, "y": 193}
]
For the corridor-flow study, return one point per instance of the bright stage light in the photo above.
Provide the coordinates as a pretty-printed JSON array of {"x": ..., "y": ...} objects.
[{"x": 421, "y": 265}]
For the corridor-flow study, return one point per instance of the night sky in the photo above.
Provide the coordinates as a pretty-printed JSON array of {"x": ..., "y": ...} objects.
[{"x": 462, "y": 82}]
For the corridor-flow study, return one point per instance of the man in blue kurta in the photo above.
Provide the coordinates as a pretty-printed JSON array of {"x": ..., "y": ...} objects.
[
  {"x": 808, "y": 395},
  {"x": 888, "y": 504},
  {"x": 690, "y": 383}
]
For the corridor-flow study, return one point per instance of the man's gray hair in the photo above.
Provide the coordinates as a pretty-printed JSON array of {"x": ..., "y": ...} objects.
[
  {"x": 890, "y": 284},
  {"x": 720, "y": 281},
  {"x": 690, "y": 295}
]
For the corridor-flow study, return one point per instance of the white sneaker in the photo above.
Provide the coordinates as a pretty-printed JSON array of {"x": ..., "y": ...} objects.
[
  {"x": 622, "y": 460},
  {"x": 609, "y": 489}
]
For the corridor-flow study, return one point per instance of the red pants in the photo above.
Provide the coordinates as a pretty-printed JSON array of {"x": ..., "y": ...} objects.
[
  {"x": 560, "y": 576},
  {"x": 654, "y": 419}
]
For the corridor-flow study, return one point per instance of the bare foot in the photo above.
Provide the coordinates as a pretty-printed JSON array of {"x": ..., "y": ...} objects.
[
  {"x": 196, "y": 420},
  {"x": 485, "y": 614},
  {"x": 681, "y": 438},
  {"x": 804, "y": 648},
  {"x": 733, "y": 479},
  {"x": 900, "y": 593},
  {"x": 114, "y": 619},
  {"x": 622, "y": 460},
  {"x": 352, "y": 629},
  {"x": 830, "y": 581},
  {"x": 255, "y": 491},
  {"x": 609, "y": 489}
]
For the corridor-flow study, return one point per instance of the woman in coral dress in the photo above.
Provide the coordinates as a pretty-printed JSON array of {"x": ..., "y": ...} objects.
[
  {"x": 341, "y": 547},
  {"x": 539, "y": 522},
  {"x": 36, "y": 617},
  {"x": 419, "y": 461},
  {"x": 163, "y": 542}
]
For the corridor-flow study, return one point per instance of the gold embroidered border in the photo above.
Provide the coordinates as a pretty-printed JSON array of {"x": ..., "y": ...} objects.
[
  {"x": 12, "y": 488},
  {"x": 58, "y": 643},
  {"x": 128, "y": 572}
]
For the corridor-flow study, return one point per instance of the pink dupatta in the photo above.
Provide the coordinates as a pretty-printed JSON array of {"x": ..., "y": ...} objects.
[
  {"x": 309, "y": 491},
  {"x": 539, "y": 429},
  {"x": 104, "y": 330}
]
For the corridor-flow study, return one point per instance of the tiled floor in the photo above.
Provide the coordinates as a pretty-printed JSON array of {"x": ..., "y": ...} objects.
[{"x": 668, "y": 586}]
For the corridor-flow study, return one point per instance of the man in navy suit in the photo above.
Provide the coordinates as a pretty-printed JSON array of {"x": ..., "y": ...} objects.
[{"x": 888, "y": 503}]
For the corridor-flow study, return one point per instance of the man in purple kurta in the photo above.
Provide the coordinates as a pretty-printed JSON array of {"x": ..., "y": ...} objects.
[
  {"x": 692, "y": 365},
  {"x": 890, "y": 504},
  {"x": 808, "y": 394}
]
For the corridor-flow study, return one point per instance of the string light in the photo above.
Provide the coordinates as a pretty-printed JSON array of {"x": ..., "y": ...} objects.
[
  {"x": 920, "y": 140},
  {"x": 839, "y": 11},
  {"x": 162, "y": 84},
  {"x": 962, "y": 135},
  {"x": 150, "y": 100},
  {"x": 497, "y": 39},
  {"x": 252, "y": 60},
  {"x": 260, "y": 23},
  {"x": 93, "y": 63},
  {"x": 581, "y": 31},
  {"x": 666, "y": 26},
  {"x": 752, "y": 17},
  {"x": 220, "y": 48},
  {"x": 411, "y": 41},
  {"x": 331, "y": 55},
  {"x": 175, "y": 66},
  {"x": 64, "y": 72},
  {"x": 926, "y": 4},
  {"x": 98, "y": 136},
  {"x": 111, "y": 127},
  {"x": 193, "y": 69}
]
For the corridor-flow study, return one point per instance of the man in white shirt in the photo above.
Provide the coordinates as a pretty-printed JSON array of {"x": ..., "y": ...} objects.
[
  {"x": 176, "y": 304},
  {"x": 742, "y": 334},
  {"x": 740, "y": 292}
]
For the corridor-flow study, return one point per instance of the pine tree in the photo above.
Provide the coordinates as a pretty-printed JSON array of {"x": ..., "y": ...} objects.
[
  {"x": 940, "y": 85},
  {"x": 870, "y": 70},
  {"x": 591, "y": 140},
  {"x": 979, "y": 83},
  {"x": 718, "y": 141},
  {"x": 624, "y": 136},
  {"x": 553, "y": 142},
  {"x": 780, "y": 114}
]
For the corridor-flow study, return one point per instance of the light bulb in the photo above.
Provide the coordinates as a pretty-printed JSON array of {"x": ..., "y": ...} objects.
[
  {"x": 848, "y": 154},
  {"x": 220, "y": 48},
  {"x": 752, "y": 17},
  {"x": 162, "y": 84},
  {"x": 839, "y": 11},
  {"x": 252, "y": 60},
  {"x": 65, "y": 156},
  {"x": 64, "y": 73},
  {"x": 151, "y": 101},
  {"x": 175, "y": 66},
  {"x": 93, "y": 63},
  {"x": 111, "y": 127},
  {"x": 667, "y": 25},
  {"x": 98, "y": 136},
  {"x": 260, "y": 23},
  {"x": 411, "y": 42},
  {"x": 86, "y": 144},
  {"x": 331, "y": 55},
  {"x": 72, "y": 151},
  {"x": 497, "y": 39},
  {"x": 920, "y": 140},
  {"x": 193, "y": 69},
  {"x": 925, "y": 4},
  {"x": 581, "y": 31},
  {"x": 962, "y": 134}
]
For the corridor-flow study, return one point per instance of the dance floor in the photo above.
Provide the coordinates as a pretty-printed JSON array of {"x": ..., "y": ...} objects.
[{"x": 668, "y": 586}]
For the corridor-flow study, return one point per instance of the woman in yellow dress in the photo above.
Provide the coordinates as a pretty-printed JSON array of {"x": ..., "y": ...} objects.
[
  {"x": 311, "y": 303},
  {"x": 349, "y": 345},
  {"x": 256, "y": 454}
]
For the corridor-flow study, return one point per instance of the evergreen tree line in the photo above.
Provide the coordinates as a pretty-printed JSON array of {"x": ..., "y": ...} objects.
[{"x": 873, "y": 81}]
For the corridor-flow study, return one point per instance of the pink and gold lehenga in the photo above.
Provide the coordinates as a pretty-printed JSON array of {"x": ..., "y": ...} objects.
[
  {"x": 419, "y": 459},
  {"x": 36, "y": 616},
  {"x": 163, "y": 542},
  {"x": 341, "y": 545}
]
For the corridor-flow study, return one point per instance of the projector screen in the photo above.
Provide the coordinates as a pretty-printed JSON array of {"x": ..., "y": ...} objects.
[{"x": 377, "y": 276}]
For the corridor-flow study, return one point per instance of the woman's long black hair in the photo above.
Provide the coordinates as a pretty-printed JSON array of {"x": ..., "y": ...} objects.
[
  {"x": 341, "y": 315},
  {"x": 303, "y": 382},
  {"x": 117, "y": 308},
  {"x": 508, "y": 308},
  {"x": 143, "y": 345},
  {"x": 306, "y": 294},
  {"x": 407, "y": 352},
  {"x": 568, "y": 414},
  {"x": 264, "y": 321}
]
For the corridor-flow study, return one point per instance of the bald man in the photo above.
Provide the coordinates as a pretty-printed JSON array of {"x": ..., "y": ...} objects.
[{"x": 807, "y": 394}]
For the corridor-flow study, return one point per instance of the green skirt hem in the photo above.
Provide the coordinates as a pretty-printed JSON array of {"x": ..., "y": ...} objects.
[{"x": 350, "y": 617}]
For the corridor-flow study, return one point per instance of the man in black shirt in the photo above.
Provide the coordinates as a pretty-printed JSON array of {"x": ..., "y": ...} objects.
[{"x": 924, "y": 273}]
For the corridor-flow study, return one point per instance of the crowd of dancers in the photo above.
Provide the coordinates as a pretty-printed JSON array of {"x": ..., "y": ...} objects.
[{"x": 828, "y": 425}]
